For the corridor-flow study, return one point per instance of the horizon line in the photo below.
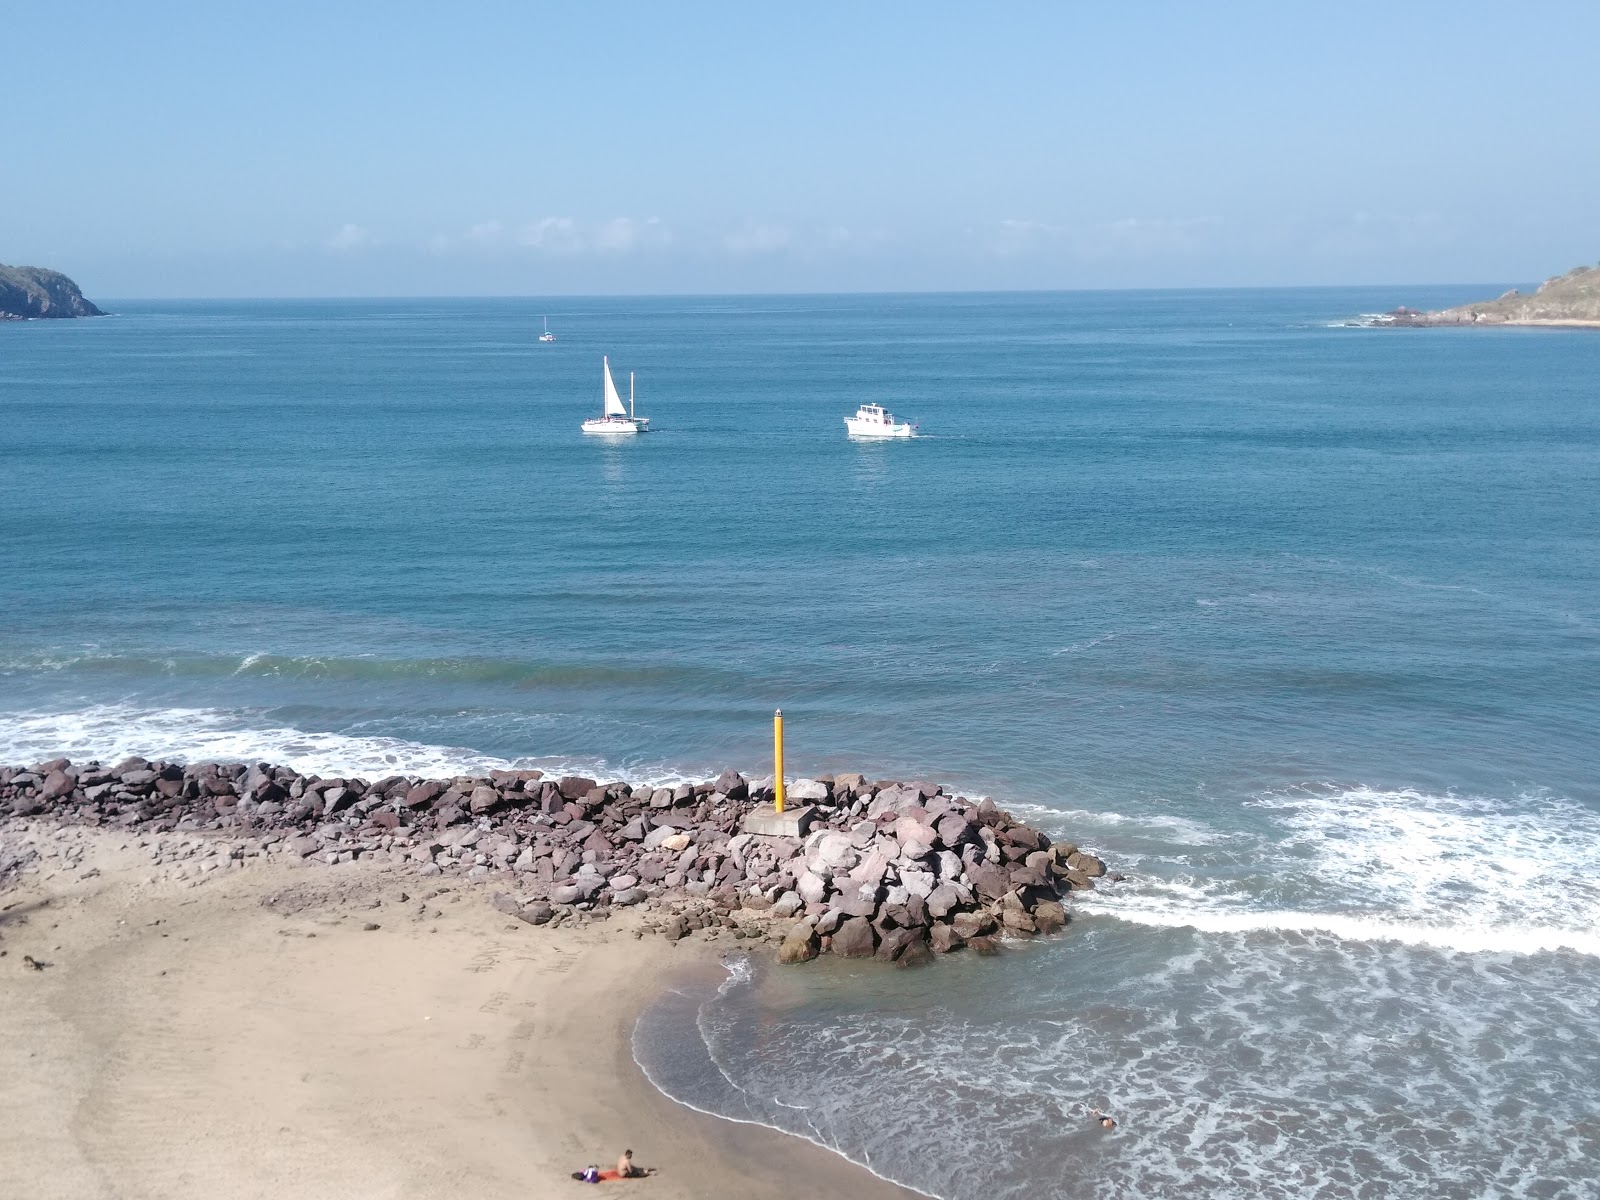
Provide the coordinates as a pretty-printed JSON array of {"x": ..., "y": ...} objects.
[{"x": 719, "y": 295}]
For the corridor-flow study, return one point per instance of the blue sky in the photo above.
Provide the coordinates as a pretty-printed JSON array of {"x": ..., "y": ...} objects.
[{"x": 477, "y": 149}]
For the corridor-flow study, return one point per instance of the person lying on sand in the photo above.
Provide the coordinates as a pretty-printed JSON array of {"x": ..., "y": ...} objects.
[{"x": 1105, "y": 1122}]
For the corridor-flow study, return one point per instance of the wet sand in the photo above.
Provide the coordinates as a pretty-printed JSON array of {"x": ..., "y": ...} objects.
[{"x": 250, "y": 1037}]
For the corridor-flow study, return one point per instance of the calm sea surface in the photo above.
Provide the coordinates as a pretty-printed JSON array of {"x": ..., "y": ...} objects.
[{"x": 1297, "y": 625}]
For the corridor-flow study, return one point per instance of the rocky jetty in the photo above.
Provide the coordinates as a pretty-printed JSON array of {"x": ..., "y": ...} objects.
[
  {"x": 1570, "y": 299},
  {"x": 888, "y": 870},
  {"x": 29, "y": 292}
]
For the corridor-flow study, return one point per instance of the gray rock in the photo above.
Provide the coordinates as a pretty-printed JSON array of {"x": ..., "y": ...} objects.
[
  {"x": 858, "y": 900},
  {"x": 732, "y": 785},
  {"x": 811, "y": 887},
  {"x": 628, "y": 897},
  {"x": 566, "y": 893},
  {"x": 829, "y": 921},
  {"x": 943, "y": 938},
  {"x": 943, "y": 900},
  {"x": 787, "y": 905},
  {"x": 482, "y": 799},
  {"x": 917, "y": 882},
  {"x": 303, "y": 845},
  {"x": 806, "y": 791},
  {"x": 855, "y": 938},
  {"x": 871, "y": 869}
]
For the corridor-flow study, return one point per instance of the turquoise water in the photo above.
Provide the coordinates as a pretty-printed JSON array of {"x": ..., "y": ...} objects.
[{"x": 1295, "y": 623}]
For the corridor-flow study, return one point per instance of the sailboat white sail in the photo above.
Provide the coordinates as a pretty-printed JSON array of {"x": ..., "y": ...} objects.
[
  {"x": 614, "y": 417},
  {"x": 614, "y": 406},
  {"x": 547, "y": 336}
]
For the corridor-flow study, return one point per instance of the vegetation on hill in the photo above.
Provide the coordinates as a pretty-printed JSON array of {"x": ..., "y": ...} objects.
[{"x": 1570, "y": 299}]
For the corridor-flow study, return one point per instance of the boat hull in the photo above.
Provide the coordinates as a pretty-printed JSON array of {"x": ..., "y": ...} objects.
[
  {"x": 612, "y": 426},
  {"x": 876, "y": 429}
]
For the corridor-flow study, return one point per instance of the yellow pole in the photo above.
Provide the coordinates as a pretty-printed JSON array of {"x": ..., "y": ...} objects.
[{"x": 777, "y": 760}]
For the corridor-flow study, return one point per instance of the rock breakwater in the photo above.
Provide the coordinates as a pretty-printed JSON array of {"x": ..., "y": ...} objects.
[{"x": 890, "y": 870}]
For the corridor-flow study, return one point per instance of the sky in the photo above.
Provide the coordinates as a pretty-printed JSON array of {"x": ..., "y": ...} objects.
[{"x": 389, "y": 149}]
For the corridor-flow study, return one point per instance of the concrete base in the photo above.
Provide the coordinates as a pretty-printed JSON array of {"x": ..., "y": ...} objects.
[{"x": 768, "y": 822}]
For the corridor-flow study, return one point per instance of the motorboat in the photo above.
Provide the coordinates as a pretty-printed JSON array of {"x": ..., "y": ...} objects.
[
  {"x": 614, "y": 418},
  {"x": 874, "y": 421},
  {"x": 547, "y": 336}
]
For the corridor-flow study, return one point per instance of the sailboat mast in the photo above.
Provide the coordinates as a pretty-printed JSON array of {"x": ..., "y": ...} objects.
[{"x": 630, "y": 394}]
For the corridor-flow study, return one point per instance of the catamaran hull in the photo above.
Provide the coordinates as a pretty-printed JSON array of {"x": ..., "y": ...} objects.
[
  {"x": 872, "y": 429},
  {"x": 615, "y": 425}
]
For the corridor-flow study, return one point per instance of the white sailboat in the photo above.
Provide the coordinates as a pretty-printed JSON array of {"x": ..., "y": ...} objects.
[
  {"x": 547, "y": 336},
  {"x": 615, "y": 418},
  {"x": 874, "y": 421}
]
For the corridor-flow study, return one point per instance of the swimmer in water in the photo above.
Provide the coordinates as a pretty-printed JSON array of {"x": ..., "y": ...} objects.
[{"x": 1104, "y": 1121}]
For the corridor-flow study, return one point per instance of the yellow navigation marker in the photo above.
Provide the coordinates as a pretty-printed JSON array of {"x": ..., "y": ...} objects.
[{"x": 777, "y": 760}]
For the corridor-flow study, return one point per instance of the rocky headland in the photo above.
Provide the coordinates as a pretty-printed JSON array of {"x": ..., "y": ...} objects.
[
  {"x": 889, "y": 870},
  {"x": 1571, "y": 299},
  {"x": 27, "y": 293}
]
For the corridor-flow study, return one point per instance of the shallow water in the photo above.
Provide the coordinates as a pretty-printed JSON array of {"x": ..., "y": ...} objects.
[{"x": 1296, "y": 625}]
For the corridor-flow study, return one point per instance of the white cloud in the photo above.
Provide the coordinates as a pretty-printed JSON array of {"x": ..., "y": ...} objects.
[
  {"x": 1125, "y": 237},
  {"x": 350, "y": 237},
  {"x": 757, "y": 237}
]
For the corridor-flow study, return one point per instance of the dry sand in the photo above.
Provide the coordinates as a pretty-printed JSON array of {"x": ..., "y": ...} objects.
[{"x": 251, "y": 1038}]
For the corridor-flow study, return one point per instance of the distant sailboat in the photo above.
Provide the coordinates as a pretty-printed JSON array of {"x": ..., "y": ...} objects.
[
  {"x": 615, "y": 418},
  {"x": 547, "y": 336}
]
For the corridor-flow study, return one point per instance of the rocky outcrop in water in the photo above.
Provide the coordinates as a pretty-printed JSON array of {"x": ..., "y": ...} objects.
[
  {"x": 1570, "y": 299},
  {"x": 887, "y": 870},
  {"x": 29, "y": 292}
]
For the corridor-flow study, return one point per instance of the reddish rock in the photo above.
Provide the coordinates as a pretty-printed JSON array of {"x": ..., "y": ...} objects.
[{"x": 855, "y": 938}]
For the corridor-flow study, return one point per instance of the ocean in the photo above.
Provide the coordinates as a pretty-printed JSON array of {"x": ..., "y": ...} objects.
[{"x": 1296, "y": 624}]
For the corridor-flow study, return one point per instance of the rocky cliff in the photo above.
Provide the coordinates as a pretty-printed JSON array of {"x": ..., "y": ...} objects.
[
  {"x": 1570, "y": 299},
  {"x": 37, "y": 292}
]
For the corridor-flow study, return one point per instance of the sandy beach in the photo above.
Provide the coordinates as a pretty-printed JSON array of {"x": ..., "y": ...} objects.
[{"x": 291, "y": 1030}]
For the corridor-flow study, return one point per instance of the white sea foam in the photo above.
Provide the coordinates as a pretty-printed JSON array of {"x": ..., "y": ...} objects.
[
  {"x": 112, "y": 731},
  {"x": 1468, "y": 874},
  {"x": 1328, "y": 1068}
]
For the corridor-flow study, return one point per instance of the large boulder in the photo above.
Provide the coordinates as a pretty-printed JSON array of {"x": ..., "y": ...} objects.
[
  {"x": 894, "y": 942},
  {"x": 855, "y": 938},
  {"x": 732, "y": 785},
  {"x": 801, "y": 945},
  {"x": 57, "y": 783},
  {"x": 575, "y": 787},
  {"x": 943, "y": 938},
  {"x": 1049, "y": 916},
  {"x": 482, "y": 799},
  {"x": 813, "y": 888},
  {"x": 423, "y": 794},
  {"x": 942, "y": 901},
  {"x": 806, "y": 791},
  {"x": 989, "y": 881},
  {"x": 858, "y": 899},
  {"x": 972, "y": 924}
]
